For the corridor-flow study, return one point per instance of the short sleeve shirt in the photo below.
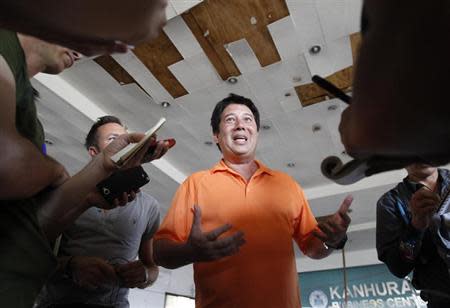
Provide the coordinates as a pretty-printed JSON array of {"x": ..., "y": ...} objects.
[
  {"x": 113, "y": 235},
  {"x": 270, "y": 209}
]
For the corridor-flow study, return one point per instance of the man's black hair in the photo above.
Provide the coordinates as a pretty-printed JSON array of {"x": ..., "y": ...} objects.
[
  {"x": 91, "y": 138},
  {"x": 232, "y": 99}
]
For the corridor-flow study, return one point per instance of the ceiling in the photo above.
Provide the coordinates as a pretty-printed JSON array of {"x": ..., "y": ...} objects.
[{"x": 265, "y": 45}]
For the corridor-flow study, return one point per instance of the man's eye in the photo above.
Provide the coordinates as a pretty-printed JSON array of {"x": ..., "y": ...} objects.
[
  {"x": 229, "y": 120},
  {"x": 111, "y": 139}
]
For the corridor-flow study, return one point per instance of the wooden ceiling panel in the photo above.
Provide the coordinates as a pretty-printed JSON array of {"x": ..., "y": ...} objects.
[
  {"x": 311, "y": 93},
  {"x": 216, "y": 23},
  {"x": 157, "y": 56},
  {"x": 267, "y": 55},
  {"x": 219, "y": 57},
  {"x": 114, "y": 69}
]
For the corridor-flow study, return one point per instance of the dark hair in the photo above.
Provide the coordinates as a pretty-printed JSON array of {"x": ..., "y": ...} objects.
[
  {"x": 91, "y": 138},
  {"x": 232, "y": 99}
]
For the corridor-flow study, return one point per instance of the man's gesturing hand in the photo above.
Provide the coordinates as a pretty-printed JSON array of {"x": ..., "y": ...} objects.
[
  {"x": 207, "y": 246},
  {"x": 334, "y": 229}
]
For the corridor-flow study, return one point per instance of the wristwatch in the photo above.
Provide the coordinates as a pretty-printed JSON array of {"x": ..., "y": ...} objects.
[{"x": 339, "y": 245}]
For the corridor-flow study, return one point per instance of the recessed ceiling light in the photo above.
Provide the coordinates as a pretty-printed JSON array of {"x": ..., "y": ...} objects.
[
  {"x": 316, "y": 128},
  {"x": 314, "y": 50},
  {"x": 49, "y": 141},
  {"x": 165, "y": 104},
  {"x": 265, "y": 127},
  {"x": 297, "y": 79},
  {"x": 290, "y": 165},
  {"x": 287, "y": 94},
  {"x": 232, "y": 80},
  {"x": 208, "y": 142},
  {"x": 332, "y": 107}
]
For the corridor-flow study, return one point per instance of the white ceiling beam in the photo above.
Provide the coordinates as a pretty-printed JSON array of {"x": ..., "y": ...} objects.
[{"x": 385, "y": 178}]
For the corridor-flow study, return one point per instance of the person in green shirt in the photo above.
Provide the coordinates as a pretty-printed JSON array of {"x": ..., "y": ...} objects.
[{"x": 38, "y": 199}]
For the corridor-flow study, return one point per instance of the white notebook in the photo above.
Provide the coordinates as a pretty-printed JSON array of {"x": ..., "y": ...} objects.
[{"x": 127, "y": 152}]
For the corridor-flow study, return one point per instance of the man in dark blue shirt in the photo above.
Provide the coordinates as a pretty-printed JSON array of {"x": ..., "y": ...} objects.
[{"x": 405, "y": 238}]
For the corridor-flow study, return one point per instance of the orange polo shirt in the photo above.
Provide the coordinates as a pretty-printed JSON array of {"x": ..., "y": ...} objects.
[{"x": 271, "y": 210}]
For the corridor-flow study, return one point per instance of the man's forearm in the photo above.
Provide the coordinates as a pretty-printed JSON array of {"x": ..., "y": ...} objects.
[
  {"x": 316, "y": 248},
  {"x": 152, "y": 272},
  {"x": 172, "y": 255},
  {"x": 30, "y": 169},
  {"x": 62, "y": 206}
]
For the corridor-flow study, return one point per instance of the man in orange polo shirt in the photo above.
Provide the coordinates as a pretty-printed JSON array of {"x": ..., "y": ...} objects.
[{"x": 236, "y": 222}]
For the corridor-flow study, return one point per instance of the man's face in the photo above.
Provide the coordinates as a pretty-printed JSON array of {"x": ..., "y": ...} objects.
[
  {"x": 420, "y": 170},
  {"x": 238, "y": 134},
  {"x": 105, "y": 135},
  {"x": 56, "y": 58}
]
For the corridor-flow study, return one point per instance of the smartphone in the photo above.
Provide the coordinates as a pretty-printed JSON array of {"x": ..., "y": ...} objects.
[
  {"x": 122, "y": 181},
  {"x": 126, "y": 153}
]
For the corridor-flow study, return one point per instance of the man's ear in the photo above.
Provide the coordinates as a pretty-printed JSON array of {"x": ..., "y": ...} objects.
[
  {"x": 215, "y": 138},
  {"x": 93, "y": 151}
]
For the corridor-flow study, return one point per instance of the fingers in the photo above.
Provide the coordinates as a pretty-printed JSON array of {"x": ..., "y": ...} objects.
[
  {"x": 134, "y": 137},
  {"x": 92, "y": 272},
  {"x": 196, "y": 223},
  {"x": 214, "y": 234},
  {"x": 133, "y": 274},
  {"x": 425, "y": 196},
  {"x": 227, "y": 246},
  {"x": 107, "y": 271},
  {"x": 159, "y": 149}
]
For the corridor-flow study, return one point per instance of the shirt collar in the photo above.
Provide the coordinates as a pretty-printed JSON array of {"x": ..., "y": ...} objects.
[{"x": 221, "y": 166}]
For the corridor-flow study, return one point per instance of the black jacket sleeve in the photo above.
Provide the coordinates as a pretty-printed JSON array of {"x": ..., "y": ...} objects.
[{"x": 391, "y": 230}]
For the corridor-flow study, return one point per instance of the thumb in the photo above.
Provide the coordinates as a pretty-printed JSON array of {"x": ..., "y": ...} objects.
[
  {"x": 196, "y": 223},
  {"x": 345, "y": 205},
  {"x": 134, "y": 137}
]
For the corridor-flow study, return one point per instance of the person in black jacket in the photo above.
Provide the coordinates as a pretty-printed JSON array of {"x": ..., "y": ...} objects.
[{"x": 405, "y": 239}]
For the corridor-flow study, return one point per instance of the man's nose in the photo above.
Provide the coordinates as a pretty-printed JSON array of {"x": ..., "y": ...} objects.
[
  {"x": 76, "y": 55},
  {"x": 239, "y": 124}
]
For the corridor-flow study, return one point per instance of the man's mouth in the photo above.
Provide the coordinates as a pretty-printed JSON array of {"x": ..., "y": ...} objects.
[{"x": 240, "y": 138}]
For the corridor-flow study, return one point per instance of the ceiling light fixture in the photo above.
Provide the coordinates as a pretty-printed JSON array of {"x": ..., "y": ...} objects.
[
  {"x": 232, "y": 80},
  {"x": 287, "y": 94},
  {"x": 165, "y": 104},
  {"x": 332, "y": 107},
  {"x": 297, "y": 79},
  {"x": 316, "y": 128},
  {"x": 208, "y": 142},
  {"x": 265, "y": 127},
  {"x": 48, "y": 141},
  {"x": 314, "y": 50},
  {"x": 290, "y": 165}
]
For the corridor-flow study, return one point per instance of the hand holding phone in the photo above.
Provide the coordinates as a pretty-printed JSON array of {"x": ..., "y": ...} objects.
[{"x": 122, "y": 181}]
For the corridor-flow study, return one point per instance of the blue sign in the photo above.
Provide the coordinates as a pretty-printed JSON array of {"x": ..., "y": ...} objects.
[{"x": 367, "y": 287}]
